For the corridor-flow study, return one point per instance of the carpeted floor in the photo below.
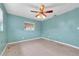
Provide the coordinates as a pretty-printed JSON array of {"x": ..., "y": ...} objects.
[{"x": 40, "y": 47}]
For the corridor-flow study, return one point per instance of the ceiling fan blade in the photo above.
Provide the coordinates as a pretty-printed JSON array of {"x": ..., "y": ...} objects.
[
  {"x": 34, "y": 11},
  {"x": 50, "y": 11},
  {"x": 44, "y": 14},
  {"x": 37, "y": 14}
]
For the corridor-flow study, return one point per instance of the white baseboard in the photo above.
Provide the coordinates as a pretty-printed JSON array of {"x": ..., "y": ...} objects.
[
  {"x": 61, "y": 43},
  {"x": 45, "y": 39},
  {"x": 4, "y": 50},
  {"x": 24, "y": 40}
]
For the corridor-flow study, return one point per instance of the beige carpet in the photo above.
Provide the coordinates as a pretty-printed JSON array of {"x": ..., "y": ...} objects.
[{"x": 40, "y": 47}]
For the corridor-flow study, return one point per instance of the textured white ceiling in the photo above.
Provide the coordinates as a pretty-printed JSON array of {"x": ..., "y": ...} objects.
[{"x": 23, "y": 9}]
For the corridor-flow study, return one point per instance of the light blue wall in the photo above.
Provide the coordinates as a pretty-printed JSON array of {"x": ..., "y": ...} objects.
[
  {"x": 16, "y": 30},
  {"x": 63, "y": 28},
  {"x": 3, "y": 35}
]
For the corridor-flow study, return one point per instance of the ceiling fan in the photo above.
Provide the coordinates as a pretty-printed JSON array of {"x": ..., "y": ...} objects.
[{"x": 42, "y": 13}]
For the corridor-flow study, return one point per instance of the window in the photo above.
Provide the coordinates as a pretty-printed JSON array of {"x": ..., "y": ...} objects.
[
  {"x": 1, "y": 20},
  {"x": 29, "y": 26}
]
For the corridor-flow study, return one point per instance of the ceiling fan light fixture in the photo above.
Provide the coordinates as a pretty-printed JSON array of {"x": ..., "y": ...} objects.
[{"x": 41, "y": 17}]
